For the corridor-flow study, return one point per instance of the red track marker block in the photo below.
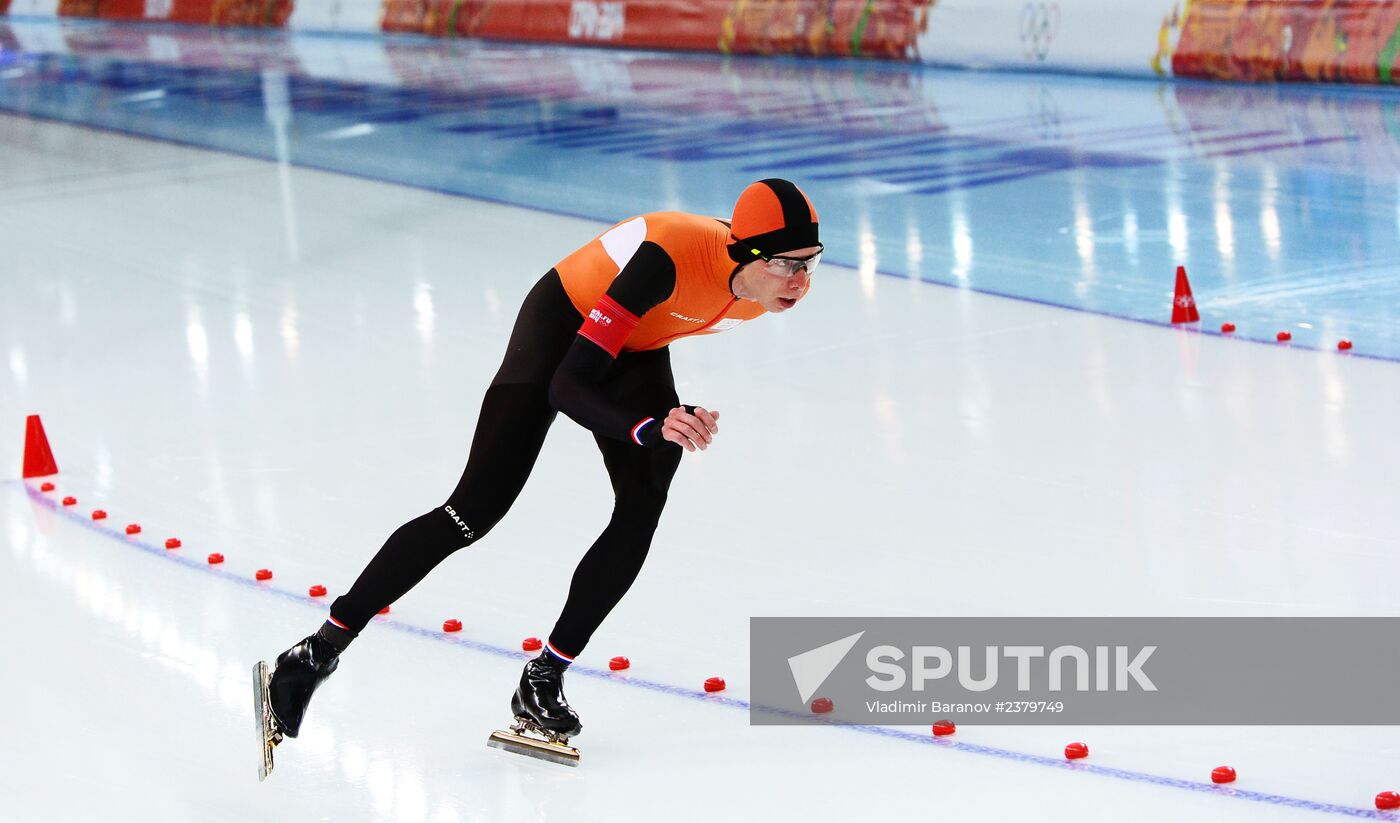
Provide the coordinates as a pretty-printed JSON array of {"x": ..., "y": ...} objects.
[
  {"x": 215, "y": 559},
  {"x": 1076, "y": 751},
  {"x": 1284, "y": 336},
  {"x": 714, "y": 684},
  {"x": 46, "y": 487},
  {"x": 38, "y": 457},
  {"x": 1227, "y": 328},
  {"x": 1388, "y": 800},
  {"x": 619, "y": 663},
  {"x": 1342, "y": 345},
  {"x": 822, "y": 705},
  {"x": 1183, "y": 304},
  {"x": 263, "y": 574},
  {"x": 1222, "y": 774},
  {"x": 943, "y": 728},
  {"x": 317, "y": 590},
  {"x": 70, "y": 501},
  {"x": 453, "y": 625},
  {"x": 532, "y": 644},
  {"x": 98, "y": 514},
  {"x": 134, "y": 528},
  {"x": 173, "y": 543}
]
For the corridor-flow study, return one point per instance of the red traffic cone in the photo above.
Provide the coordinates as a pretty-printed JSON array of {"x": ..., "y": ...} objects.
[
  {"x": 38, "y": 458},
  {"x": 1183, "y": 305}
]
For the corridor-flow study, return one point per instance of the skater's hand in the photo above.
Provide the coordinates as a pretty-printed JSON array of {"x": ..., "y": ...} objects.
[{"x": 692, "y": 431}]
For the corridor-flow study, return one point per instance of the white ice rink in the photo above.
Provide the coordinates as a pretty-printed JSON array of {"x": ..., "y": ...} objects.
[{"x": 289, "y": 386}]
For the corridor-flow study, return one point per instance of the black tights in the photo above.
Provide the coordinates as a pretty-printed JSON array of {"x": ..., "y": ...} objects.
[{"x": 515, "y": 417}]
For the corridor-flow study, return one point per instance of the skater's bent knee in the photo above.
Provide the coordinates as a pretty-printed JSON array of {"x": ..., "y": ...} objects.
[
  {"x": 467, "y": 523},
  {"x": 640, "y": 511}
]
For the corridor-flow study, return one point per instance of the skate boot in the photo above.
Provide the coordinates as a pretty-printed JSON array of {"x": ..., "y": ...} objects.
[
  {"x": 280, "y": 697},
  {"x": 544, "y": 722},
  {"x": 299, "y": 672},
  {"x": 540, "y": 697}
]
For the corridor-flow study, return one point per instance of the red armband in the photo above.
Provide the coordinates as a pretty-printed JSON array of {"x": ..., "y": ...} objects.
[{"x": 609, "y": 325}]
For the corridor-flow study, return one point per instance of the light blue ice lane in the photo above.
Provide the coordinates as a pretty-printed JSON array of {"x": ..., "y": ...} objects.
[{"x": 1077, "y": 192}]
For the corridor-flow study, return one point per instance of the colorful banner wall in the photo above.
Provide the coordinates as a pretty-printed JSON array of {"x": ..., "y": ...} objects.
[
  {"x": 1340, "y": 41},
  {"x": 247, "y": 13},
  {"x": 807, "y": 27}
]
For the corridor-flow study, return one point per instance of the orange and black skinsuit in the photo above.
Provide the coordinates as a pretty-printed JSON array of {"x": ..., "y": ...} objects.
[{"x": 637, "y": 287}]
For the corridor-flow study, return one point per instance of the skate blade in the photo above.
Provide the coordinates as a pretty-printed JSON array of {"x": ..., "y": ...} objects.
[
  {"x": 530, "y": 747},
  {"x": 268, "y": 735}
]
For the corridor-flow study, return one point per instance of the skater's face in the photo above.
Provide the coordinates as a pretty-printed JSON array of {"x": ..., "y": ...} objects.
[{"x": 780, "y": 281}]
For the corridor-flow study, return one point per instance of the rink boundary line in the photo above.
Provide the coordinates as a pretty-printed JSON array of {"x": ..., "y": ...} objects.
[
  {"x": 72, "y": 514},
  {"x": 605, "y": 221}
]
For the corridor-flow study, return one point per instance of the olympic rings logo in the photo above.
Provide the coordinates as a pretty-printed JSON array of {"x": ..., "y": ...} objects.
[{"x": 1040, "y": 22}]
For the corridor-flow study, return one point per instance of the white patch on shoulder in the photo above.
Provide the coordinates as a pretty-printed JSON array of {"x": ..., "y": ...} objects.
[
  {"x": 621, "y": 242},
  {"x": 725, "y": 324}
]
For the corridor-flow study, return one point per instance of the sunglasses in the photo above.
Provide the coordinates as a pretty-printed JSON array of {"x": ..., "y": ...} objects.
[{"x": 787, "y": 266}]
